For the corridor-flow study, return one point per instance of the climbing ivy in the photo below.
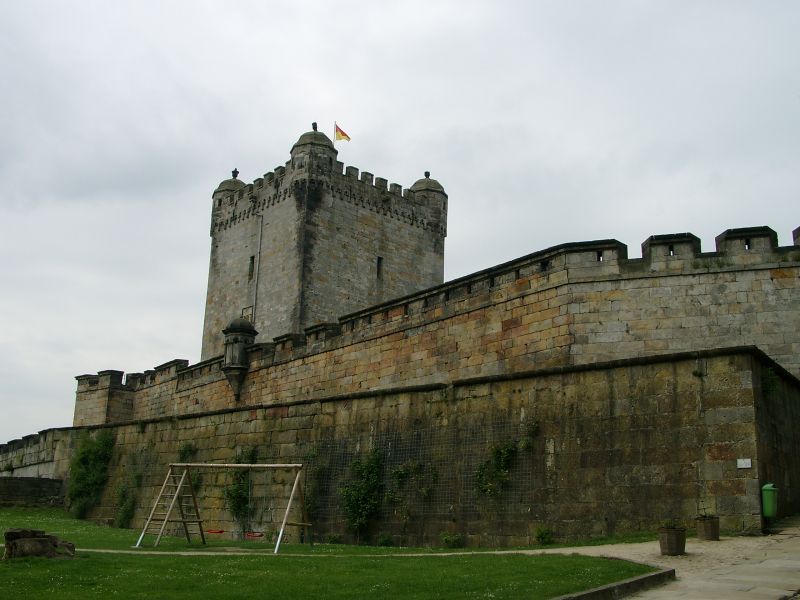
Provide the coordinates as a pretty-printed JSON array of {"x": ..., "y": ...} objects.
[
  {"x": 126, "y": 505},
  {"x": 492, "y": 475},
  {"x": 88, "y": 472},
  {"x": 237, "y": 494},
  {"x": 361, "y": 497}
]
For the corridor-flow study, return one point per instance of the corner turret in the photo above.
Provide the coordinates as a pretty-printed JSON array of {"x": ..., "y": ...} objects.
[
  {"x": 227, "y": 187},
  {"x": 239, "y": 334},
  {"x": 431, "y": 193},
  {"x": 314, "y": 148}
]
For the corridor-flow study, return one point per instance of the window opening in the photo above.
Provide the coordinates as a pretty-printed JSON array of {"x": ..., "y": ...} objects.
[
  {"x": 671, "y": 250},
  {"x": 251, "y": 268},
  {"x": 379, "y": 267},
  {"x": 599, "y": 256},
  {"x": 747, "y": 245}
]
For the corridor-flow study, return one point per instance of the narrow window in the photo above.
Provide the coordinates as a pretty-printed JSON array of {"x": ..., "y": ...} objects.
[
  {"x": 599, "y": 256},
  {"x": 671, "y": 250},
  {"x": 251, "y": 268},
  {"x": 544, "y": 265},
  {"x": 747, "y": 244},
  {"x": 379, "y": 267}
]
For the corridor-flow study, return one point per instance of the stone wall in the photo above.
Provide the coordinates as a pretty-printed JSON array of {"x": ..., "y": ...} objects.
[
  {"x": 597, "y": 449},
  {"x": 574, "y": 304},
  {"x": 777, "y": 417},
  {"x": 31, "y": 491}
]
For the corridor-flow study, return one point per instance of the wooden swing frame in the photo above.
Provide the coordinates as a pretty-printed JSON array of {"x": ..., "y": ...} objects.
[{"x": 179, "y": 474}]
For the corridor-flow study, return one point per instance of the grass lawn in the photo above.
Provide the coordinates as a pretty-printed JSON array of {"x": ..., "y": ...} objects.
[{"x": 329, "y": 572}]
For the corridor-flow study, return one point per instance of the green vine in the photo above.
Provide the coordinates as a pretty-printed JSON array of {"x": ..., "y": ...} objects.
[
  {"x": 492, "y": 475},
  {"x": 237, "y": 494},
  {"x": 314, "y": 475},
  {"x": 415, "y": 477},
  {"x": 362, "y": 496},
  {"x": 126, "y": 506},
  {"x": 89, "y": 472},
  {"x": 186, "y": 453}
]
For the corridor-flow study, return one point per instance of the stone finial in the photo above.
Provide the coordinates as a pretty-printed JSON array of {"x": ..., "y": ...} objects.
[
  {"x": 427, "y": 174},
  {"x": 235, "y": 172},
  {"x": 314, "y": 126}
]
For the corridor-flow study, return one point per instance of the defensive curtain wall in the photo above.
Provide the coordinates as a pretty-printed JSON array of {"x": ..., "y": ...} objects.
[
  {"x": 580, "y": 450},
  {"x": 511, "y": 363}
]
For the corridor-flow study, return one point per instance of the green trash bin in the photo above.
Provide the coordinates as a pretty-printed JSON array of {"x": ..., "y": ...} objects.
[{"x": 769, "y": 500}]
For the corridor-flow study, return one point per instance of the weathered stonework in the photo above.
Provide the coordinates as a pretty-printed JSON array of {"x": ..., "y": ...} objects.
[
  {"x": 309, "y": 242},
  {"x": 561, "y": 306},
  {"x": 625, "y": 391},
  {"x": 602, "y": 448}
]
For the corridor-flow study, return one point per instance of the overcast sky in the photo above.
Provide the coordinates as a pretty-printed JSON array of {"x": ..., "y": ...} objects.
[{"x": 546, "y": 122}]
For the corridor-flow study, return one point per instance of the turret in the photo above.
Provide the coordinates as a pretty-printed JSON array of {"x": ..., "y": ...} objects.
[
  {"x": 431, "y": 193},
  {"x": 314, "y": 151},
  {"x": 239, "y": 334},
  {"x": 226, "y": 188}
]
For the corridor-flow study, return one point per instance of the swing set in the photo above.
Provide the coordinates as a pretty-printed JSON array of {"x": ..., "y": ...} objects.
[{"x": 177, "y": 495}]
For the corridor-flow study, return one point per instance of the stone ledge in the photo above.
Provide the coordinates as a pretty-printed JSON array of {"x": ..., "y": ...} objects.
[{"x": 623, "y": 588}]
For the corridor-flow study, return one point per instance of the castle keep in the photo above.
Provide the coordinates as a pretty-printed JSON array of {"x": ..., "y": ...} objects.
[
  {"x": 622, "y": 391},
  {"x": 308, "y": 243}
]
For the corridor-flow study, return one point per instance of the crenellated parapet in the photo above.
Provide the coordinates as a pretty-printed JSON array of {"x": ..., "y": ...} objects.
[
  {"x": 424, "y": 210},
  {"x": 569, "y": 304}
]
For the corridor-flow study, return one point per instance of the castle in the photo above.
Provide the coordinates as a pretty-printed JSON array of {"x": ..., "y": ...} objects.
[{"x": 618, "y": 392}]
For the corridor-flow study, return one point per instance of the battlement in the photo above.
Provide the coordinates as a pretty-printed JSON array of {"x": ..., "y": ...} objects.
[
  {"x": 367, "y": 191},
  {"x": 568, "y": 304}
]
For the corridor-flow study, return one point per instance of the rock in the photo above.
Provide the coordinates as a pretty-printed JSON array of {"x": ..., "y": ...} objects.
[{"x": 34, "y": 542}]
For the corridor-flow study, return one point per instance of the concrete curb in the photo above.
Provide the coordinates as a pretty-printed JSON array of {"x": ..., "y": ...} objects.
[{"x": 623, "y": 588}]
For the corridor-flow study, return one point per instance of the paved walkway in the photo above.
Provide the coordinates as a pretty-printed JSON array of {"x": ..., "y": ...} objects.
[{"x": 755, "y": 568}]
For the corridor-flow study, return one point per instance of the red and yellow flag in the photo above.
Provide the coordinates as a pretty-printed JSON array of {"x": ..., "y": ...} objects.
[{"x": 339, "y": 134}]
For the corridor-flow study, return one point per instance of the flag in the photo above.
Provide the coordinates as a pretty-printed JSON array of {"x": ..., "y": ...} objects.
[{"x": 339, "y": 134}]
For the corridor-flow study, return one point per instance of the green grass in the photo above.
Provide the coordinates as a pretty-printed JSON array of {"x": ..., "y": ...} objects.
[
  {"x": 85, "y": 534},
  {"x": 329, "y": 571}
]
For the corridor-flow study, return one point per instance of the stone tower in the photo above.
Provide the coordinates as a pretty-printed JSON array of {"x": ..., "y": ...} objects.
[{"x": 312, "y": 241}]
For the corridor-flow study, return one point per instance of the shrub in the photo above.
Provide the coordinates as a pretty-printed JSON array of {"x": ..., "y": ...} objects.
[
  {"x": 89, "y": 472},
  {"x": 544, "y": 536},
  {"x": 362, "y": 496},
  {"x": 126, "y": 506},
  {"x": 452, "y": 540},
  {"x": 237, "y": 494},
  {"x": 186, "y": 452}
]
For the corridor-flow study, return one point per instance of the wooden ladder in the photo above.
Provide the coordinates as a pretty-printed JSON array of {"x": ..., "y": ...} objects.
[{"x": 176, "y": 492}]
